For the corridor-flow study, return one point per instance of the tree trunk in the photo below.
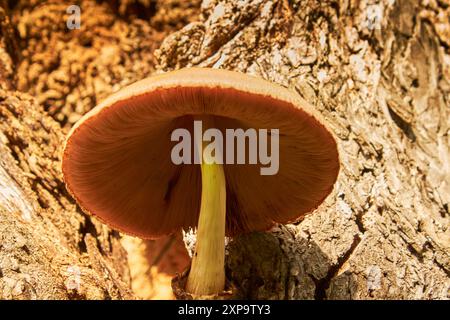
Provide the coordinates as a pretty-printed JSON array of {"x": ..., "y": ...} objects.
[
  {"x": 48, "y": 248},
  {"x": 379, "y": 72}
]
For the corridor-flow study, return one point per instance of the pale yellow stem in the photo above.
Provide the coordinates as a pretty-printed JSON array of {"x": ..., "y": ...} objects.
[{"x": 207, "y": 274}]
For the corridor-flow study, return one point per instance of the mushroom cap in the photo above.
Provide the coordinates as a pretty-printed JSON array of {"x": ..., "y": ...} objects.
[{"x": 117, "y": 158}]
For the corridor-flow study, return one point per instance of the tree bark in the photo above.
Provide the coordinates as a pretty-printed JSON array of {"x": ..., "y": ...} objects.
[
  {"x": 49, "y": 249},
  {"x": 378, "y": 72}
]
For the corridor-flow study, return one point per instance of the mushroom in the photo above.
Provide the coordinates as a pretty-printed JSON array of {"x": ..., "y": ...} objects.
[{"x": 117, "y": 162}]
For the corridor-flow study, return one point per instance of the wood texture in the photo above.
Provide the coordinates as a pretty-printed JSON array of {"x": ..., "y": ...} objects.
[
  {"x": 382, "y": 82},
  {"x": 377, "y": 71}
]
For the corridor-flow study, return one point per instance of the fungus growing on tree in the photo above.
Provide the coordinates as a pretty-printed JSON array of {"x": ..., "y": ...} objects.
[{"x": 118, "y": 162}]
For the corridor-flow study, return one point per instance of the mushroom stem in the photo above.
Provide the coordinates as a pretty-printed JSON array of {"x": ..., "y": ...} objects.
[{"x": 207, "y": 274}]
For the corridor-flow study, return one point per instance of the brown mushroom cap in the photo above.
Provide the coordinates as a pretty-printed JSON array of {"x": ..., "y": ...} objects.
[{"x": 117, "y": 158}]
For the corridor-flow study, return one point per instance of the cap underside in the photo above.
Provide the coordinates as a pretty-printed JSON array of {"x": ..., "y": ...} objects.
[{"x": 117, "y": 160}]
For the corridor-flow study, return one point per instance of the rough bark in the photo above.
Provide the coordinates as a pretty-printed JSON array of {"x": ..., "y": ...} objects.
[
  {"x": 48, "y": 248},
  {"x": 377, "y": 70},
  {"x": 379, "y": 73}
]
